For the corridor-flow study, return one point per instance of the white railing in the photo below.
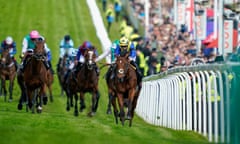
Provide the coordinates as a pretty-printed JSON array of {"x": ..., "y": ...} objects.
[{"x": 195, "y": 98}]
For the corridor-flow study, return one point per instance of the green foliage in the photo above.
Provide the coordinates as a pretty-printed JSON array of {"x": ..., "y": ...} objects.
[{"x": 54, "y": 19}]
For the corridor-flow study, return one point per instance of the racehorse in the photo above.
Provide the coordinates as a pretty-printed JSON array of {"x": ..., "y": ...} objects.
[
  {"x": 8, "y": 72},
  {"x": 87, "y": 81},
  {"x": 35, "y": 77},
  {"x": 124, "y": 87}
]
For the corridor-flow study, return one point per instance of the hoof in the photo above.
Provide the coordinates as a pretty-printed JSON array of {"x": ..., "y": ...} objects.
[
  {"x": 128, "y": 118},
  {"x": 109, "y": 112},
  {"x": 20, "y": 106},
  {"x": 82, "y": 108},
  {"x": 68, "y": 108},
  {"x": 10, "y": 100},
  {"x": 76, "y": 113},
  {"x": 45, "y": 100},
  {"x": 39, "y": 109},
  {"x": 91, "y": 114}
]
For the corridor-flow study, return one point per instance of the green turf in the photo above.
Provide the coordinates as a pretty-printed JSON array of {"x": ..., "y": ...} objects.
[{"x": 54, "y": 19}]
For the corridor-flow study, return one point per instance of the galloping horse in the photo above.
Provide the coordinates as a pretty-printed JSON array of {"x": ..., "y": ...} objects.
[
  {"x": 124, "y": 87},
  {"x": 8, "y": 72},
  {"x": 87, "y": 81},
  {"x": 35, "y": 77}
]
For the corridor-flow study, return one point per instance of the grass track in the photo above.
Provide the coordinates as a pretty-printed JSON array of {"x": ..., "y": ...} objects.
[{"x": 54, "y": 19}]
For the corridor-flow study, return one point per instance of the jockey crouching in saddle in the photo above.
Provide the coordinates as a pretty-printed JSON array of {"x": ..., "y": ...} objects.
[
  {"x": 8, "y": 43},
  {"x": 122, "y": 49},
  {"x": 28, "y": 47},
  {"x": 66, "y": 48},
  {"x": 80, "y": 58}
]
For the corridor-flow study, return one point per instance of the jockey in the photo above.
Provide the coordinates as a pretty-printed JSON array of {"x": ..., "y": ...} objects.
[
  {"x": 29, "y": 45},
  {"x": 123, "y": 48},
  {"x": 66, "y": 47},
  {"x": 80, "y": 58},
  {"x": 8, "y": 43}
]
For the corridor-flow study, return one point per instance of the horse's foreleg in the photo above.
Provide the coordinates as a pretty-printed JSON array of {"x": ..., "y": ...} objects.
[
  {"x": 3, "y": 87},
  {"x": 82, "y": 102},
  {"x": 95, "y": 97},
  {"x": 131, "y": 95},
  {"x": 115, "y": 110},
  {"x": 76, "y": 104},
  {"x": 68, "y": 99},
  {"x": 10, "y": 90},
  {"x": 121, "y": 106},
  {"x": 50, "y": 92},
  {"x": 110, "y": 97},
  {"x": 97, "y": 100}
]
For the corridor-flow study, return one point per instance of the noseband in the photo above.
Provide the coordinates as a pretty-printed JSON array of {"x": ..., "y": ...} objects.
[{"x": 122, "y": 72}]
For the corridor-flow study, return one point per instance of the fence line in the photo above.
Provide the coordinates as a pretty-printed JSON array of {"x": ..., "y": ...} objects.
[{"x": 195, "y": 98}]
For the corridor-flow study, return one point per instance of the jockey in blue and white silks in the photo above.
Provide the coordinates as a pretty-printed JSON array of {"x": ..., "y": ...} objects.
[{"x": 66, "y": 46}]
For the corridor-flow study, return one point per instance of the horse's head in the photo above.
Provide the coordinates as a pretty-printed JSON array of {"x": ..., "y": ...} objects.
[
  {"x": 39, "y": 50},
  {"x": 5, "y": 57},
  {"x": 90, "y": 56},
  {"x": 122, "y": 66}
]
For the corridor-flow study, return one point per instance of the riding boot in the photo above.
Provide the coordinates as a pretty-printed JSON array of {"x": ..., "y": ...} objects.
[
  {"x": 22, "y": 67},
  {"x": 97, "y": 70},
  {"x": 138, "y": 72},
  {"x": 15, "y": 63},
  {"x": 107, "y": 75},
  {"x": 46, "y": 64},
  {"x": 112, "y": 71},
  {"x": 50, "y": 65},
  {"x": 66, "y": 75},
  {"x": 79, "y": 66},
  {"x": 58, "y": 65}
]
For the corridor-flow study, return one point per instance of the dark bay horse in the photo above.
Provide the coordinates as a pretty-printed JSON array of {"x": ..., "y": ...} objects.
[
  {"x": 124, "y": 87},
  {"x": 7, "y": 72},
  {"x": 87, "y": 81},
  {"x": 35, "y": 77}
]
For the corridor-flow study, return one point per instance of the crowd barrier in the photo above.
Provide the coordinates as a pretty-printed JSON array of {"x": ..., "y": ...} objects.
[{"x": 200, "y": 98}]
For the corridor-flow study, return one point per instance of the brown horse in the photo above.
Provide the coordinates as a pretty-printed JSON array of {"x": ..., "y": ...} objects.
[
  {"x": 87, "y": 81},
  {"x": 124, "y": 87},
  {"x": 35, "y": 77},
  {"x": 8, "y": 72}
]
